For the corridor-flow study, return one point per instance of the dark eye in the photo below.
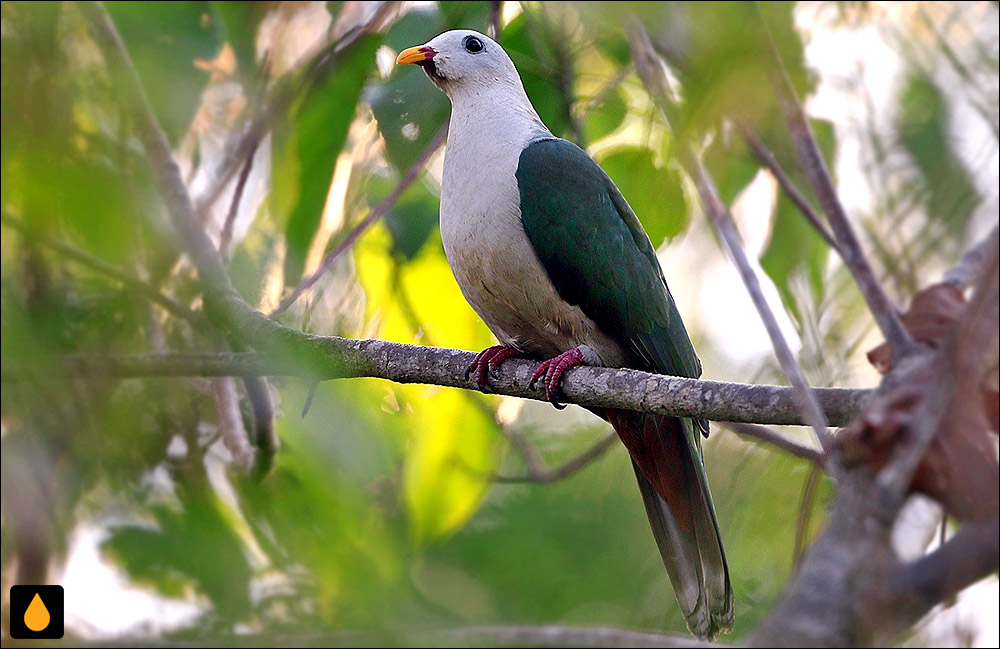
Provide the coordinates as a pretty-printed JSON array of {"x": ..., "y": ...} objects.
[{"x": 473, "y": 44}]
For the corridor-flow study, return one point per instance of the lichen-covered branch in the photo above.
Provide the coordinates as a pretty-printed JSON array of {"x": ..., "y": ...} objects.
[{"x": 594, "y": 387}]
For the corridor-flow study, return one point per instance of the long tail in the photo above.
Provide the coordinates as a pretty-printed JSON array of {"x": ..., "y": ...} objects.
[{"x": 666, "y": 455}]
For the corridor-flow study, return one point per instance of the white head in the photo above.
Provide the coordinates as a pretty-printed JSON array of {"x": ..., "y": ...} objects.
[{"x": 463, "y": 59}]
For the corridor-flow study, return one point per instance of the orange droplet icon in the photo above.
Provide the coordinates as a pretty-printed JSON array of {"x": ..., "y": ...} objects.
[{"x": 36, "y": 617}]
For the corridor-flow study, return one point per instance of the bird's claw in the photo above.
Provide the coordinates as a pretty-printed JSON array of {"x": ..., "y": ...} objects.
[
  {"x": 486, "y": 362},
  {"x": 551, "y": 373}
]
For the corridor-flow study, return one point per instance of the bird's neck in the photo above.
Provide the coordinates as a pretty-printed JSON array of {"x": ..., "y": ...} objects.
[{"x": 493, "y": 118}]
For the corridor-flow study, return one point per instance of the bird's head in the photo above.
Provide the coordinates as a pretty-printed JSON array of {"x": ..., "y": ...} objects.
[{"x": 462, "y": 58}]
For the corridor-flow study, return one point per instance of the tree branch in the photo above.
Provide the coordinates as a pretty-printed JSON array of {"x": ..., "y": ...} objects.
[
  {"x": 595, "y": 387},
  {"x": 851, "y": 589}
]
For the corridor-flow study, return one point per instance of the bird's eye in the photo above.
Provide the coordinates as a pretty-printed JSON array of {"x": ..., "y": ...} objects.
[{"x": 473, "y": 44}]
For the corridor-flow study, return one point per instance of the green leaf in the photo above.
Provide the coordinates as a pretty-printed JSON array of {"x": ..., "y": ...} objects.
[
  {"x": 308, "y": 151},
  {"x": 164, "y": 40},
  {"x": 794, "y": 248},
  {"x": 654, "y": 193},
  {"x": 240, "y": 21},
  {"x": 448, "y": 463},
  {"x": 731, "y": 165},
  {"x": 605, "y": 117},
  {"x": 411, "y": 221},
  {"x": 949, "y": 195},
  {"x": 605, "y": 29},
  {"x": 527, "y": 42},
  {"x": 196, "y": 545},
  {"x": 467, "y": 15},
  {"x": 724, "y": 57},
  {"x": 409, "y": 109}
]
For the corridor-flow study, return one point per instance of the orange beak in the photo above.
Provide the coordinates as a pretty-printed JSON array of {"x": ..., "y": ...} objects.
[{"x": 415, "y": 55}]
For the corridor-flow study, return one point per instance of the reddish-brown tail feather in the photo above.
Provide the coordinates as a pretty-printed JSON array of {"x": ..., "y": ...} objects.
[{"x": 666, "y": 455}]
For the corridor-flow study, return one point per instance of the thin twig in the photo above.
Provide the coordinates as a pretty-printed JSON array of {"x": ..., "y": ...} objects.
[
  {"x": 496, "y": 13},
  {"x": 533, "y": 463},
  {"x": 765, "y": 157},
  {"x": 278, "y": 102},
  {"x": 720, "y": 217},
  {"x": 770, "y": 436},
  {"x": 595, "y": 387},
  {"x": 650, "y": 70},
  {"x": 805, "y": 513},
  {"x": 970, "y": 266},
  {"x": 226, "y": 236},
  {"x": 128, "y": 280},
  {"x": 380, "y": 211},
  {"x": 884, "y": 311},
  {"x": 543, "y": 474}
]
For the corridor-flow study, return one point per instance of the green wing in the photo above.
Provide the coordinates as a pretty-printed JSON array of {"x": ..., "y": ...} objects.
[
  {"x": 600, "y": 259},
  {"x": 598, "y": 256}
]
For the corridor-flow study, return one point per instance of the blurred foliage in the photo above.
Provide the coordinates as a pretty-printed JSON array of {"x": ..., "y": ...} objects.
[
  {"x": 382, "y": 512},
  {"x": 664, "y": 214},
  {"x": 158, "y": 36},
  {"x": 309, "y": 145}
]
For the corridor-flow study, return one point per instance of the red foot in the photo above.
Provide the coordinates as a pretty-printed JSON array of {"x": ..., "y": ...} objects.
[
  {"x": 552, "y": 371},
  {"x": 487, "y": 361}
]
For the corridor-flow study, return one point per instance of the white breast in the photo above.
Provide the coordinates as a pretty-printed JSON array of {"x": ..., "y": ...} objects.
[{"x": 484, "y": 240}]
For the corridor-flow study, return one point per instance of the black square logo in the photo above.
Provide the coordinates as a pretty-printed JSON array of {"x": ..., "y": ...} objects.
[{"x": 36, "y": 612}]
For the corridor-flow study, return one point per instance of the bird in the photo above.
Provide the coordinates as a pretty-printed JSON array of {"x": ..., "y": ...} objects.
[{"x": 549, "y": 254}]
